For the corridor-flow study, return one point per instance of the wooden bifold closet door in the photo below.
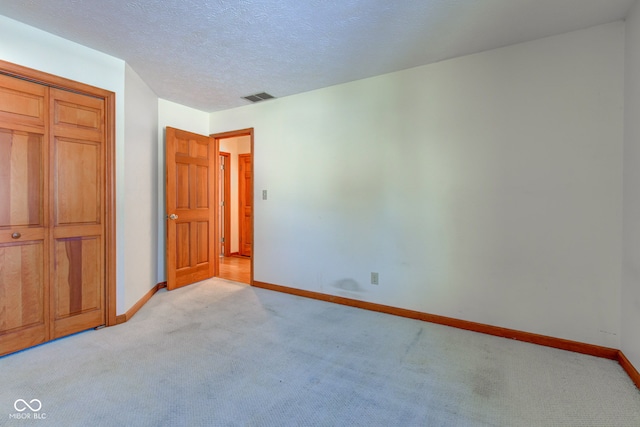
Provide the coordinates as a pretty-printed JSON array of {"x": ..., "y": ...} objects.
[{"x": 52, "y": 216}]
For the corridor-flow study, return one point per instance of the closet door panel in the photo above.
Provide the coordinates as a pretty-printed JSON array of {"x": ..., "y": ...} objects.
[
  {"x": 22, "y": 295},
  {"x": 23, "y": 244},
  {"x": 77, "y": 283},
  {"x": 22, "y": 102},
  {"x": 21, "y": 179},
  {"x": 78, "y": 183},
  {"x": 77, "y": 202}
]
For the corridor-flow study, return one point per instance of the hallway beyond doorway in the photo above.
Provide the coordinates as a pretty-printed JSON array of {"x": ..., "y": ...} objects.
[{"x": 236, "y": 268}]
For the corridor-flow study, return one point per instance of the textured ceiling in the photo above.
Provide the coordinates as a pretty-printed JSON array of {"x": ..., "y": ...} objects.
[{"x": 207, "y": 54}]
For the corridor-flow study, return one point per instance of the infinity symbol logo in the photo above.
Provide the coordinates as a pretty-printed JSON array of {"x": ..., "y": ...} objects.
[{"x": 21, "y": 403}]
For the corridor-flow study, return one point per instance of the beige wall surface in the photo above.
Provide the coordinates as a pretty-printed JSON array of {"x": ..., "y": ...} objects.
[{"x": 486, "y": 188}]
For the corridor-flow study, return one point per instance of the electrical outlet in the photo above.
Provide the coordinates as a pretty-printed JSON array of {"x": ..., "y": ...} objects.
[{"x": 374, "y": 278}]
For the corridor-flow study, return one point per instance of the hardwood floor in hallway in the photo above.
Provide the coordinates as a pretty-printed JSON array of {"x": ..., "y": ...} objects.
[{"x": 236, "y": 268}]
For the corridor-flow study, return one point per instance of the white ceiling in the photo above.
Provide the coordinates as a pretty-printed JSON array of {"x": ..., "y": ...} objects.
[{"x": 207, "y": 54}]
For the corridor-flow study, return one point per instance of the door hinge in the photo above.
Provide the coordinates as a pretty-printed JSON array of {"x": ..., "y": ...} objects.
[
  {"x": 222, "y": 203},
  {"x": 222, "y": 240},
  {"x": 221, "y": 167}
]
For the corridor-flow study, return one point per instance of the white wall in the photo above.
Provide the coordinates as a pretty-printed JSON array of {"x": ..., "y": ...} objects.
[
  {"x": 31, "y": 47},
  {"x": 141, "y": 189},
  {"x": 485, "y": 188},
  {"x": 630, "y": 341},
  {"x": 235, "y": 146},
  {"x": 179, "y": 117}
]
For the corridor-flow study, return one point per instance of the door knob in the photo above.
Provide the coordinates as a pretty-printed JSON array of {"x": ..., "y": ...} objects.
[
  {"x": 16, "y": 235},
  {"x": 173, "y": 216}
]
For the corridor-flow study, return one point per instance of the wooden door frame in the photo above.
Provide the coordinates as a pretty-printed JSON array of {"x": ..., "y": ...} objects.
[
  {"x": 109, "y": 208},
  {"x": 227, "y": 202},
  {"x": 216, "y": 138}
]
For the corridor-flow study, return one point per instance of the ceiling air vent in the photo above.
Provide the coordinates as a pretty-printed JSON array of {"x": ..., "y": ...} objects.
[{"x": 258, "y": 97}]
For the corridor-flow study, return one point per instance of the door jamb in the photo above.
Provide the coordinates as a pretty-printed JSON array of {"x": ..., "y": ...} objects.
[
  {"x": 109, "y": 210},
  {"x": 216, "y": 138}
]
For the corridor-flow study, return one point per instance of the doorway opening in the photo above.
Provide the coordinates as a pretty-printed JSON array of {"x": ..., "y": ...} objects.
[{"x": 235, "y": 205}]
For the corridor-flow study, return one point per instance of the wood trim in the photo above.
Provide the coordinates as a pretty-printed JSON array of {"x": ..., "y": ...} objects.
[
  {"x": 36, "y": 76},
  {"x": 253, "y": 205},
  {"x": 629, "y": 368},
  {"x": 109, "y": 97},
  {"x": 138, "y": 305},
  {"x": 234, "y": 134},
  {"x": 110, "y": 210},
  {"x": 578, "y": 347},
  {"x": 227, "y": 203},
  {"x": 214, "y": 246}
]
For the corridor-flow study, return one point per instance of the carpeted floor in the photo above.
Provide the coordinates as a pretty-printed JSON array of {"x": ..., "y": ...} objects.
[{"x": 221, "y": 353}]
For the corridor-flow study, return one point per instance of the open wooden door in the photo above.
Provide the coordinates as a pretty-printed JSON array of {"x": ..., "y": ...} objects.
[{"x": 191, "y": 196}]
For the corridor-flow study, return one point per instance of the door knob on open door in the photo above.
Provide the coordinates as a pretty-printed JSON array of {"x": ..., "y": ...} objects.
[{"x": 173, "y": 216}]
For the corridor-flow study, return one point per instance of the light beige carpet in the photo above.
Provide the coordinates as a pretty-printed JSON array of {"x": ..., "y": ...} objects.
[{"x": 224, "y": 354}]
